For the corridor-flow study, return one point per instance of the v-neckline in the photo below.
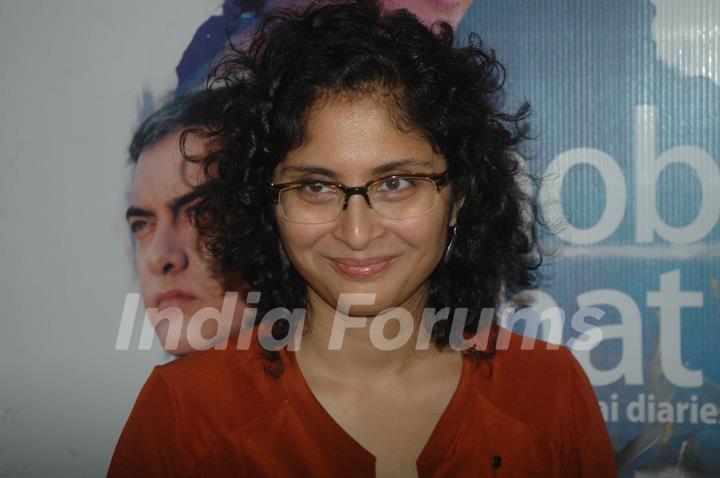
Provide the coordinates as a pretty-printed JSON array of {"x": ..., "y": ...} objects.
[{"x": 325, "y": 430}]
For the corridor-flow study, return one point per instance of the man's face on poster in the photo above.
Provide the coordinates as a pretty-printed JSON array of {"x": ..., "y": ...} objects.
[
  {"x": 430, "y": 11},
  {"x": 173, "y": 266}
]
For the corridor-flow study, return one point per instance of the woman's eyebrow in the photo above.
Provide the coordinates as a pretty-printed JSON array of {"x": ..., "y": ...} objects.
[
  {"x": 377, "y": 171},
  {"x": 309, "y": 170},
  {"x": 401, "y": 164}
]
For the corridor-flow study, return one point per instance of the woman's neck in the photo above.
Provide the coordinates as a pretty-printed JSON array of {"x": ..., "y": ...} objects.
[{"x": 343, "y": 346}]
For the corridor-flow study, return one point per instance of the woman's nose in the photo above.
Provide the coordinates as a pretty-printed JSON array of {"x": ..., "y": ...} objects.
[{"x": 358, "y": 224}]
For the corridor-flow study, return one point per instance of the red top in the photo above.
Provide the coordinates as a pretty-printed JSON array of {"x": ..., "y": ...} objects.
[{"x": 219, "y": 413}]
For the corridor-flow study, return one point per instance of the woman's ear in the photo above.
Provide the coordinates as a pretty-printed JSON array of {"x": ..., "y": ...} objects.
[{"x": 456, "y": 210}]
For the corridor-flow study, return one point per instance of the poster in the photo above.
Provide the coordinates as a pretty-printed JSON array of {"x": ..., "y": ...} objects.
[{"x": 625, "y": 125}]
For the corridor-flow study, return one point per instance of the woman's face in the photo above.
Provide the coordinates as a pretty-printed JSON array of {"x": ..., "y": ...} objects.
[{"x": 353, "y": 141}]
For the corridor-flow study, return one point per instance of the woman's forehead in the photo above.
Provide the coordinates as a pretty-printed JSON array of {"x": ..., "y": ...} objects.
[{"x": 359, "y": 137}]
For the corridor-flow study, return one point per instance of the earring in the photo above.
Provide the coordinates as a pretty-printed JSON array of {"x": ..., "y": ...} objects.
[{"x": 449, "y": 247}]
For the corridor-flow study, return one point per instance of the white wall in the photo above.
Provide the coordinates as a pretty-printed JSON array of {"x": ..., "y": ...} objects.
[{"x": 71, "y": 78}]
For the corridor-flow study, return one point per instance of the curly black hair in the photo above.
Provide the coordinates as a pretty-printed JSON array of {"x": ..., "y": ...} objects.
[{"x": 451, "y": 95}]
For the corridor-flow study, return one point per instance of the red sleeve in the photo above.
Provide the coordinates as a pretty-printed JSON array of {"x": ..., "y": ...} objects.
[
  {"x": 593, "y": 455},
  {"x": 149, "y": 445}
]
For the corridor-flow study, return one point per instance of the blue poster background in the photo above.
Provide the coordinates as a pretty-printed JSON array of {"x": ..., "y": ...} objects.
[{"x": 590, "y": 70}]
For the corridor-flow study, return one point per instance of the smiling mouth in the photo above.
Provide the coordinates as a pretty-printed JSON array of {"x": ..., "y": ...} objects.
[{"x": 361, "y": 269}]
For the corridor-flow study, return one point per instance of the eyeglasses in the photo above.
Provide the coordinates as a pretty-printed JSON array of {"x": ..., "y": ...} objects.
[{"x": 393, "y": 197}]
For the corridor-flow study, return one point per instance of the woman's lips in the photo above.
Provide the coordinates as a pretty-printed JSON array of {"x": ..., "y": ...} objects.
[{"x": 361, "y": 269}]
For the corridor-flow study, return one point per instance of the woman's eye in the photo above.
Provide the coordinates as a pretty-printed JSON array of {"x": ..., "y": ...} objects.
[
  {"x": 396, "y": 184},
  {"x": 317, "y": 188}
]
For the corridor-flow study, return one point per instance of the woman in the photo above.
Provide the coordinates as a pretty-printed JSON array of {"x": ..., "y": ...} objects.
[{"x": 367, "y": 177}]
